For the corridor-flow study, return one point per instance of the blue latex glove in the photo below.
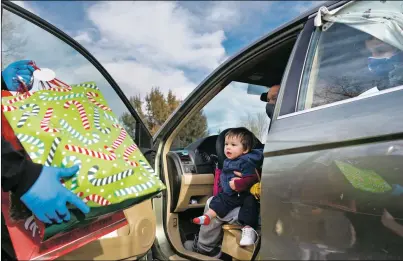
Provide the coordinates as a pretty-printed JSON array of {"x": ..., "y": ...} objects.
[
  {"x": 18, "y": 68},
  {"x": 47, "y": 198}
]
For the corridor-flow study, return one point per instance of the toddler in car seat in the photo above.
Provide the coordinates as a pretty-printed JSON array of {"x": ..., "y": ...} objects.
[{"x": 240, "y": 158}]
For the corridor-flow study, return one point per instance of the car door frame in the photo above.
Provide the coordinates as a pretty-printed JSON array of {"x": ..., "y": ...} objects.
[
  {"x": 201, "y": 95},
  {"x": 143, "y": 136}
]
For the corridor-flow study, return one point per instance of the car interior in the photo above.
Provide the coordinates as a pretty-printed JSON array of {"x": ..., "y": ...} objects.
[
  {"x": 123, "y": 241},
  {"x": 190, "y": 170}
]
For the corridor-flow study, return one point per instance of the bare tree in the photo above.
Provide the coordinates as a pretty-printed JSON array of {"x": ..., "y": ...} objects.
[
  {"x": 158, "y": 108},
  {"x": 336, "y": 88},
  {"x": 257, "y": 123}
]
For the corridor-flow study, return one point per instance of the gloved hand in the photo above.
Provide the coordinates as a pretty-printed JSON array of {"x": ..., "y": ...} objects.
[
  {"x": 47, "y": 198},
  {"x": 255, "y": 190},
  {"x": 396, "y": 75},
  {"x": 18, "y": 68}
]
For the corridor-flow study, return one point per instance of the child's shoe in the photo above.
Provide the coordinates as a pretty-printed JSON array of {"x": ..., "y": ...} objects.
[{"x": 248, "y": 236}]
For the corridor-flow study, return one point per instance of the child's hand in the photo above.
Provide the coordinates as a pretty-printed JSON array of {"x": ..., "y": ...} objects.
[
  {"x": 232, "y": 183},
  {"x": 237, "y": 173}
]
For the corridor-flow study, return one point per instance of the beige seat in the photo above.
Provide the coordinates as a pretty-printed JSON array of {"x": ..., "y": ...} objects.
[{"x": 230, "y": 243}]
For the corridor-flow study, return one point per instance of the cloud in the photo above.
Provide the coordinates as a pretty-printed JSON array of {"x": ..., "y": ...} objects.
[
  {"x": 301, "y": 7},
  {"x": 133, "y": 83},
  {"x": 24, "y": 5},
  {"x": 176, "y": 39},
  {"x": 220, "y": 13},
  {"x": 83, "y": 37},
  {"x": 172, "y": 45},
  {"x": 233, "y": 17},
  {"x": 139, "y": 50},
  {"x": 29, "y": 7},
  {"x": 231, "y": 106},
  {"x": 166, "y": 37},
  {"x": 169, "y": 49}
]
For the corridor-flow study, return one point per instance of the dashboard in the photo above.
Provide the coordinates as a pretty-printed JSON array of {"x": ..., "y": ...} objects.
[
  {"x": 199, "y": 157},
  {"x": 196, "y": 159}
]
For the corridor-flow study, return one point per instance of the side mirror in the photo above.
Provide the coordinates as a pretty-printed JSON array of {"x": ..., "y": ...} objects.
[{"x": 256, "y": 89}]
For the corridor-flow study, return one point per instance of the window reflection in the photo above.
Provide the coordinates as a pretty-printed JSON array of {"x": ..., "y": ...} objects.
[
  {"x": 344, "y": 63},
  {"x": 354, "y": 207}
]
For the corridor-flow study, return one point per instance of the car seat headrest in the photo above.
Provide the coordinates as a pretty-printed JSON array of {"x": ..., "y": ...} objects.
[{"x": 220, "y": 143}]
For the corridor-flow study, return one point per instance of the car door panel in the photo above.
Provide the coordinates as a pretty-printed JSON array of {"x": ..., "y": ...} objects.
[
  {"x": 327, "y": 180},
  {"x": 132, "y": 240},
  {"x": 332, "y": 183},
  {"x": 124, "y": 243},
  {"x": 341, "y": 124},
  {"x": 302, "y": 202}
]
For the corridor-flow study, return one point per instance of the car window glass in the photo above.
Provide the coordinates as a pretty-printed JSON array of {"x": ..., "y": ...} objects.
[
  {"x": 23, "y": 40},
  {"x": 344, "y": 62},
  {"x": 235, "y": 106}
]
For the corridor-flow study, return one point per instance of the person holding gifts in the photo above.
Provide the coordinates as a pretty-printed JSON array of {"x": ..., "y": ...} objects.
[{"x": 38, "y": 186}]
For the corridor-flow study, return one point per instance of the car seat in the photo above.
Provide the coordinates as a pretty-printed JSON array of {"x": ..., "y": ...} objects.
[
  {"x": 220, "y": 143},
  {"x": 232, "y": 233}
]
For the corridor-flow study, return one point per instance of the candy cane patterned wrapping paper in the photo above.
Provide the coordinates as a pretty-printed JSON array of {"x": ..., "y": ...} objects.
[{"x": 75, "y": 125}]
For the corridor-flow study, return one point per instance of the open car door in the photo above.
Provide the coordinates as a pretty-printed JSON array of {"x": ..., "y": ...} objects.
[{"x": 26, "y": 36}]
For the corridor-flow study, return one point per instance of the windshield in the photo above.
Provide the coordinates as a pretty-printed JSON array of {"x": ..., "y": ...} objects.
[{"x": 236, "y": 105}]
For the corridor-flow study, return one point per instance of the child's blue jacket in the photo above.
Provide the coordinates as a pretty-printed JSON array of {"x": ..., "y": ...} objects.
[{"x": 246, "y": 164}]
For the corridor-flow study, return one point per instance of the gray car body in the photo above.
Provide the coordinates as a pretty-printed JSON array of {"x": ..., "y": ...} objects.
[{"x": 309, "y": 210}]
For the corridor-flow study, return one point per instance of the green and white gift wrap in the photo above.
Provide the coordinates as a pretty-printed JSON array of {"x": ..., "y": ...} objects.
[{"x": 62, "y": 127}]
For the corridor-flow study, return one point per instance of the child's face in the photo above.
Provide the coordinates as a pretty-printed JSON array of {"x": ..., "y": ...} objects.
[{"x": 233, "y": 147}]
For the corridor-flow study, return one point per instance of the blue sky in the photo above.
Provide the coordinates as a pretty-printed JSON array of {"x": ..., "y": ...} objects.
[
  {"x": 173, "y": 45},
  {"x": 260, "y": 16}
]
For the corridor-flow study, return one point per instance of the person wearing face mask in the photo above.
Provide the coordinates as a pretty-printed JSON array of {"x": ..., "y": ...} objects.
[
  {"x": 386, "y": 62},
  {"x": 271, "y": 98}
]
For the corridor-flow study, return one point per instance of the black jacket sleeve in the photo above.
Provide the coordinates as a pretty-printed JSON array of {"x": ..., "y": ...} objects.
[{"x": 18, "y": 173}]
